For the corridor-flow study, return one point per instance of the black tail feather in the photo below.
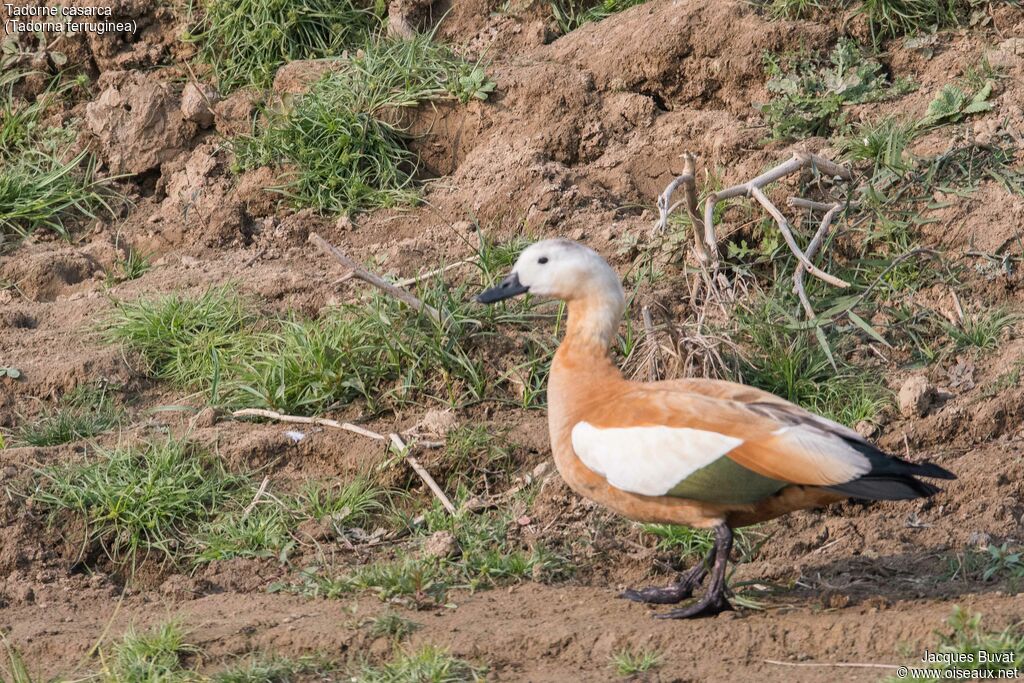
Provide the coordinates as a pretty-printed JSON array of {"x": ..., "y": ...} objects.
[
  {"x": 886, "y": 488},
  {"x": 891, "y": 478}
]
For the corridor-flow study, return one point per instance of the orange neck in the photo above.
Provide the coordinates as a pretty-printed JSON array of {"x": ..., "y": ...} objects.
[{"x": 584, "y": 351}]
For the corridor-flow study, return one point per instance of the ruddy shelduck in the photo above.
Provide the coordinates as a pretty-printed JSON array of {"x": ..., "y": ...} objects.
[{"x": 698, "y": 452}]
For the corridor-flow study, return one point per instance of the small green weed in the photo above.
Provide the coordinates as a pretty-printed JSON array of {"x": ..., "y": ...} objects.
[
  {"x": 976, "y": 77},
  {"x": 953, "y": 105},
  {"x": 810, "y": 93},
  {"x": 569, "y": 15},
  {"x": 1003, "y": 562},
  {"x": 982, "y": 330},
  {"x": 264, "y": 669},
  {"x": 392, "y": 625},
  {"x": 974, "y": 649},
  {"x": 343, "y": 141},
  {"x": 85, "y": 412},
  {"x": 629, "y": 662},
  {"x": 1008, "y": 379},
  {"x": 428, "y": 663},
  {"x": 892, "y": 18},
  {"x": 131, "y": 265},
  {"x": 994, "y": 563},
  {"x": 140, "y": 498},
  {"x": 154, "y": 656},
  {"x": 246, "y": 41}
]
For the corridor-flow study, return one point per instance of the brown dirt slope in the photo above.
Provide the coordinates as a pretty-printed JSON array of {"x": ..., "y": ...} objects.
[{"x": 581, "y": 135}]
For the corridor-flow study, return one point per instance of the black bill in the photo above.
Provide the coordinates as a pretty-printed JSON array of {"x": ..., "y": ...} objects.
[{"x": 506, "y": 289}]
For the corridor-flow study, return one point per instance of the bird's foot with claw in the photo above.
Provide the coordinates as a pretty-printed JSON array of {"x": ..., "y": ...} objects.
[
  {"x": 669, "y": 595},
  {"x": 708, "y": 606}
]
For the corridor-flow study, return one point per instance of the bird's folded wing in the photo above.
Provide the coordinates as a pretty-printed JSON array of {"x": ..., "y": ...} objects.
[{"x": 666, "y": 442}]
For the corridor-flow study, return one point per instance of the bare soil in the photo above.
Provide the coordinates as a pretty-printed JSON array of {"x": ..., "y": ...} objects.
[{"x": 582, "y": 134}]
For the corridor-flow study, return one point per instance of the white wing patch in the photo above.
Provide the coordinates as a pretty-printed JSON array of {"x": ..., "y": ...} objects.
[
  {"x": 826, "y": 455},
  {"x": 648, "y": 460}
]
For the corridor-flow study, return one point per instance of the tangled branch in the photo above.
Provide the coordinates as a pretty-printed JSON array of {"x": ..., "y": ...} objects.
[{"x": 706, "y": 243}]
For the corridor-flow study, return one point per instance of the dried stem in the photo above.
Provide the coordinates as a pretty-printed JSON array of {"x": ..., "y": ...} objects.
[
  {"x": 322, "y": 421},
  {"x": 649, "y": 338},
  {"x": 403, "y": 450},
  {"x": 437, "y": 271},
  {"x": 841, "y": 665},
  {"x": 704, "y": 228},
  {"x": 380, "y": 283},
  {"x": 665, "y": 207},
  {"x": 812, "y": 249},
  {"x": 395, "y": 439}
]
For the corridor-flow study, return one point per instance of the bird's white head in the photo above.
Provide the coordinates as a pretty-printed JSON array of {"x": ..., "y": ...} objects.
[{"x": 561, "y": 269}]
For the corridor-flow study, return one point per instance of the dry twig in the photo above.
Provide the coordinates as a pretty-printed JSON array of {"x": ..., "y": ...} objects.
[
  {"x": 840, "y": 665},
  {"x": 403, "y": 450},
  {"x": 437, "y": 271},
  {"x": 812, "y": 249},
  {"x": 704, "y": 228},
  {"x": 357, "y": 271},
  {"x": 255, "y": 499},
  {"x": 395, "y": 439},
  {"x": 322, "y": 421}
]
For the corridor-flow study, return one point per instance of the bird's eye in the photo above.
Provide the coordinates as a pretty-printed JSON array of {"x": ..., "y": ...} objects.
[{"x": 542, "y": 260}]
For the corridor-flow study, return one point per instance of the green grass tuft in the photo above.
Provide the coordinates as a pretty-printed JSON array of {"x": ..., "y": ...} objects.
[
  {"x": 569, "y": 15},
  {"x": 968, "y": 641},
  {"x": 139, "y": 499},
  {"x": 131, "y": 265},
  {"x": 893, "y": 18},
  {"x": 694, "y": 544},
  {"x": 983, "y": 330},
  {"x": 85, "y": 412},
  {"x": 628, "y": 662},
  {"x": 343, "y": 143},
  {"x": 474, "y": 455},
  {"x": 810, "y": 92},
  {"x": 263, "y": 669},
  {"x": 245, "y": 42},
  {"x": 882, "y": 143},
  {"x": 263, "y": 531},
  {"x": 392, "y": 625},
  {"x": 179, "y": 339},
  {"x": 43, "y": 185},
  {"x": 154, "y": 656},
  {"x": 344, "y": 504},
  {"x": 794, "y": 365},
  {"x": 378, "y": 350},
  {"x": 40, "y": 191},
  {"x": 428, "y": 663},
  {"x": 790, "y": 9},
  {"x": 485, "y": 559}
]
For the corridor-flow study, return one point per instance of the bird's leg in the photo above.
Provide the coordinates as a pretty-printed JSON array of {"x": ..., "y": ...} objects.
[
  {"x": 714, "y": 601},
  {"x": 670, "y": 595}
]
